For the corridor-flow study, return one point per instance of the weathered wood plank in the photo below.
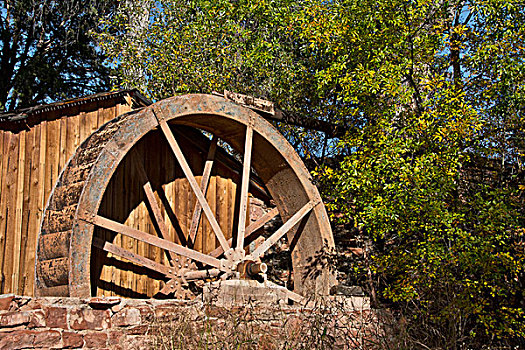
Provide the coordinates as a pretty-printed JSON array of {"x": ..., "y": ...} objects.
[
  {"x": 231, "y": 208},
  {"x": 63, "y": 153},
  {"x": 243, "y": 206},
  {"x": 209, "y": 240},
  {"x": 134, "y": 258},
  {"x": 150, "y": 239},
  {"x": 76, "y": 130},
  {"x": 71, "y": 136},
  {"x": 92, "y": 121},
  {"x": 52, "y": 158},
  {"x": 6, "y": 141},
  {"x": 36, "y": 206},
  {"x": 195, "y": 219},
  {"x": 193, "y": 183},
  {"x": 2, "y": 132},
  {"x": 83, "y": 126},
  {"x": 287, "y": 226},
  {"x": 128, "y": 242},
  {"x": 11, "y": 194},
  {"x": 152, "y": 201},
  {"x": 25, "y": 272}
]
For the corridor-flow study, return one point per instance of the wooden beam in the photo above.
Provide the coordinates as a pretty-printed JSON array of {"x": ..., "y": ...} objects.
[
  {"x": 201, "y": 274},
  {"x": 152, "y": 201},
  {"x": 225, "y": 159},
  {"x": 196, "y": 218},
  {"x": 134, "y": 258},
  {"x": 150, "y": 264},
  {"x": 269, "y": 111},
  {"x": 243, "y": 207},
  {"x": 291, "y": 295},
  {"x": 250, "y": 229},
  {"x": 193, "y": 183},
  {"x": 155, "y": 241},
  {"x": 277, "y": 235}
]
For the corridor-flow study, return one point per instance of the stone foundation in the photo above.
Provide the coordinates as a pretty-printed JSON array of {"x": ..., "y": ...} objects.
[{"x": 115, "y": 323}]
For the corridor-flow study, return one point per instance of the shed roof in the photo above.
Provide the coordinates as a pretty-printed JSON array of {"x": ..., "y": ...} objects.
[{"x": 139, "y": 100}]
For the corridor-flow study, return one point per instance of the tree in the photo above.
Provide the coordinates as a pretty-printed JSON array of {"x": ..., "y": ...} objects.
[
  {"x": 244, "y": 46},
  {"x": 47, "y": 52},
  {"x": 431, "y": 173},
  {"x": 434, "y": 176}
]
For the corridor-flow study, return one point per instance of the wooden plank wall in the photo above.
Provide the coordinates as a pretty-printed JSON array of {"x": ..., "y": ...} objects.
[
  {"x": 125, "y": 202},
  {"x": 31, "y": 161}
]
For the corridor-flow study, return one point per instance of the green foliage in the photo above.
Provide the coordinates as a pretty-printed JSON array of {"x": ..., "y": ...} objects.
[
  {"x": 251, "y": 47},
  {"x": 445, "y": 237},
  {"x": 431, "y": 172}
]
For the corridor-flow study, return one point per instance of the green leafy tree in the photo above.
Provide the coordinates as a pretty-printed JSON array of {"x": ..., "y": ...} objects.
[
  {"x": 430, "y": 171},
  {"x": 433, "y": 176},
  {"x": 47, "y": 52},
  {"x": 251, "y": 47}
]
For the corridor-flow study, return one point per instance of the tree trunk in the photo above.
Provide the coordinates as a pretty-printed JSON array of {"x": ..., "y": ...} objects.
[{"x": 137, "y": 13}]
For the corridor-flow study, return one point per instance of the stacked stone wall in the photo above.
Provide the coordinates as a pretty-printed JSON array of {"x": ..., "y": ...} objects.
[{"x": 114, "y": 323}]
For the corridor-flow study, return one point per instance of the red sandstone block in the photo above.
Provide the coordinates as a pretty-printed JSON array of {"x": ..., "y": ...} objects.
[
  {"x": 137, "y": 330},
  {"x": 37, "y": 319},
  {"x": 12, "y": 319},
  {"x": 89, "y": 319},
  {"x": 163, "y": 313},
  {"x": 5, "y": 301},
  {"x": 17, "y": 340},
  {"x": 72, "y": 340},
  {"x": 32, "y": 304},
  {"x": 95, "y": 340},
  {"x": 103, "y": 302},
  {"x": 146, "y": 313},
  {"x": 116, "y": 308},
  {"x": 47, "y": 339},
  {"x": 136, "y": 342},
  {"x": 56, "y": 317},
  {"x": 126, "y": 317},
  {"x": 114, "y": 337}
]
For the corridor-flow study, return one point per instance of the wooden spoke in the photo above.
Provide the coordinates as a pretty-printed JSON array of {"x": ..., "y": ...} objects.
[
  {"x": 250, "y": 230},
  {"x": 261, "y": 221},
  {"x": 277, "y": 235},
  {"x": 157, "y": 215},
  {"x": 201, "y": 274},
  {"x": 255, "y": 185},
  {"x": 244, "y": 186},
  {"x": 155, "y": 241},
  {"x": 193, "y": 183},
  {"x": 134, "y": 258},
  {"x": 150, "y": 264},
  {"x": 291, "y": 295},
  {"x": 196, "y": 218}
]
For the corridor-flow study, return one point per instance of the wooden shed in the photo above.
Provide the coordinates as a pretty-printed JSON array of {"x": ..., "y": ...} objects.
[
  {"x": 103, "y": 195},
  {"x": 35, "y": 144}
]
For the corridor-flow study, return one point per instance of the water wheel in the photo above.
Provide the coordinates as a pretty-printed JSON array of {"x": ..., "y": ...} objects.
[{"x": 152, "y": 203}]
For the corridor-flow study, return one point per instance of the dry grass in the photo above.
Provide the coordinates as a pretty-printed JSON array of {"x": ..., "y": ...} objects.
[{"x": 325, "y": 325}]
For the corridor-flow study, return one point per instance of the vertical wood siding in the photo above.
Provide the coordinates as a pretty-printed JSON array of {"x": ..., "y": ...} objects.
[{"x": 31, "y": 161}]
